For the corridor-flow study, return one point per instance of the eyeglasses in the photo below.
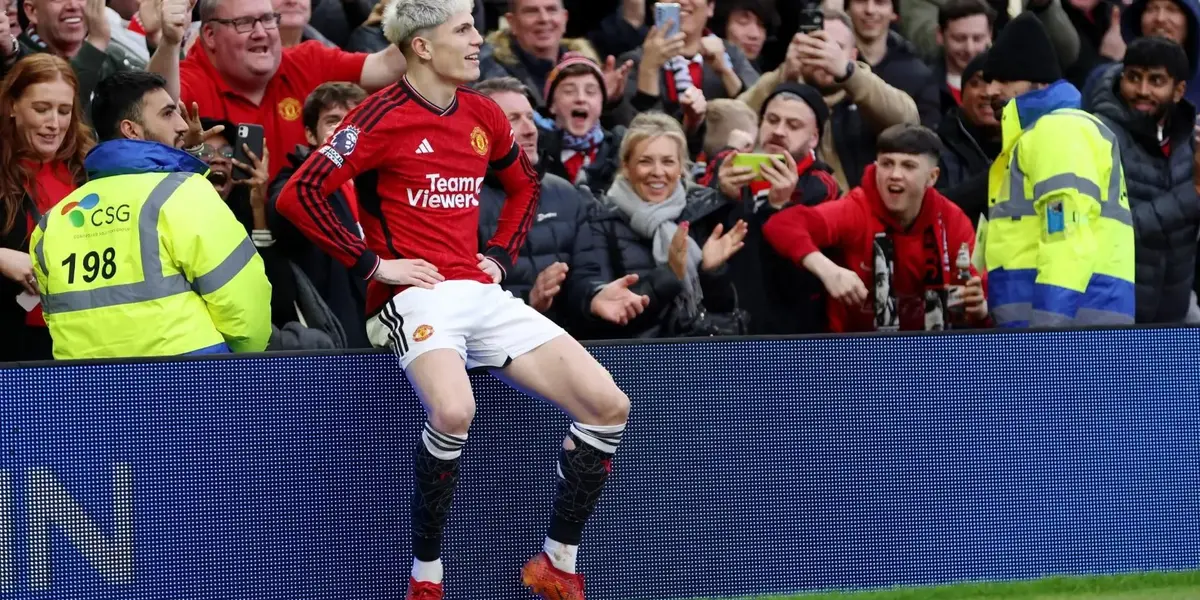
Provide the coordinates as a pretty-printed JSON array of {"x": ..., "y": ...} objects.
[
  {"x": 207, "y": 153},
  {"x": 246, "y": 24}
]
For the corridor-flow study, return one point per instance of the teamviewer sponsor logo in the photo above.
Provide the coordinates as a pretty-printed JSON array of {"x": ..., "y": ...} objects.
[{"x": 447, "y": 192}]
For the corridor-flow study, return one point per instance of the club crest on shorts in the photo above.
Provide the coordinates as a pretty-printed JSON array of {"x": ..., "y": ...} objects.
[
  {"x": 479, "y": 141},
  {"x": 345, "y": 140},
  {"x": 422, "y": 333}
]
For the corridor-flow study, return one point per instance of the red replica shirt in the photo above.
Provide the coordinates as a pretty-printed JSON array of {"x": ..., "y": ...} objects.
[
  {"x": 52, "y": 182},
  {"x": 301, "y": 70},
  {"x": 418, "y": 172},
  {"x": 848, "y": 227}
]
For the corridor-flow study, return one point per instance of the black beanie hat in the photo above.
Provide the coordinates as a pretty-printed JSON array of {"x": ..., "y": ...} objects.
[
  {"x": 1023, "y": 52},
  {"x": 809, "y": 94},
  {"x": 973, "y": 67}
]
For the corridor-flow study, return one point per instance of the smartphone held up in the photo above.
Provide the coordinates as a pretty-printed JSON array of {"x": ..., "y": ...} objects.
[{"x": 248, "y": 134}]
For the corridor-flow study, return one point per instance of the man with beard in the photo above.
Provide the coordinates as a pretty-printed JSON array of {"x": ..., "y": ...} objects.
[
  {"x": 971, "y": 134},
  {"x": 1104, "y": 31},
  {"x": 780, "y": 298},
  {"x": 1059, "y": 243},
  {"x": 198, "y": 279},
  {"x": 861, "y": 104},
  {"x": 1142, "y": 101}
]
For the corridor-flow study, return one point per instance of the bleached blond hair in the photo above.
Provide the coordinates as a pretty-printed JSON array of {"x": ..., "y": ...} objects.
[{"x": 404, "y": 19}]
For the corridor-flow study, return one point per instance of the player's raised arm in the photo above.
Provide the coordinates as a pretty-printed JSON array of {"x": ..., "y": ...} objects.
[
  {"x": 521, "y": 186},
  {"x": 358, "y": 145}
]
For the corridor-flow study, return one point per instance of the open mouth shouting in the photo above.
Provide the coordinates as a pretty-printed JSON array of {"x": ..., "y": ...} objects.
[{"x": 218, "y": 178}]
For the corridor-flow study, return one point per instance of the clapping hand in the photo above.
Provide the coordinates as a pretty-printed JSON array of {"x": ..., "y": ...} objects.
[
  {"x": 95, "y": 15},
  {"x": 616, "y": 303},
  {"x": 677, "y": 253},
  {"x": 547, "y": 285},
  {"x": 615, "y": 79},
  {"x": 722, "y": 245}
]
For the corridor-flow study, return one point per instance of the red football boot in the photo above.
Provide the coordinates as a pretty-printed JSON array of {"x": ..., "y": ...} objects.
[
  {"x": 548, "y": 582},
  {"x": 423, "y": 590}
]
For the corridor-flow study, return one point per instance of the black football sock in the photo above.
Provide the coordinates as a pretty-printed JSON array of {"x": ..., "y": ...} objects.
[
  {"x": 582, "y": 473},
  {"x": 436, "y": 473}
]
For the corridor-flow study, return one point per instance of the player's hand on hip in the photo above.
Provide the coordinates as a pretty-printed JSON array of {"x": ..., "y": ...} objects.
[
  {"x": 415, "y": 272},
  {"x": 490, "y": 267},
  {"x": 616, "y": 303}
]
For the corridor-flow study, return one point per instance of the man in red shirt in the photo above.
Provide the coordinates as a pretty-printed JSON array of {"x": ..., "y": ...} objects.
[
  {"x": 419, "y": 151},
  {"x": 240, "y": 72},
  {"x": 894, "y": 230}
]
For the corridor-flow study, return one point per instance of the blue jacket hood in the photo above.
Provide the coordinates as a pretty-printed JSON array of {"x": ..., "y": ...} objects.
[
  {"x": 125, "y": 157},
  {"x": 1131, "y": 29},
  {"x": 1034, "y": 105}
]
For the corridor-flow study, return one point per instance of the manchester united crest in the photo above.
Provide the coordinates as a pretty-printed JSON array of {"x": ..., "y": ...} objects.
[
  {"x": 289, "y": 109},
  {"x": 479, "y": 141},
  {"x": 422, "y": 333}
]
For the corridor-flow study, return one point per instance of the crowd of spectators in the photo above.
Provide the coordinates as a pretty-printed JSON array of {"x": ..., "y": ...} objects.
[{"x": 635, "y": 135}]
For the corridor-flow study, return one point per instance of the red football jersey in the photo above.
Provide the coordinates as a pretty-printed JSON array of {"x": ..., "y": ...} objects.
[{"x": 418, "y": 170}]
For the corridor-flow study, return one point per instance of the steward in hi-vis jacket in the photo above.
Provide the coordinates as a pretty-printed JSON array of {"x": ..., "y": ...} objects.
[
  {"x": 147, "y": 260},
  {"x": 1059, "y": 244}
]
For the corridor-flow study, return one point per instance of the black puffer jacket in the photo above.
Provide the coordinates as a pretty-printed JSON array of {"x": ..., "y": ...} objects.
[
  {"x": 342, "y": 291},
  {"x": 560, "y": 233},
  {"x": 904, "y": 70},
  {"x": 627, "y": 252},
  {"x": 968, "y": 154},
  {"x": 1166, "y": 211}
]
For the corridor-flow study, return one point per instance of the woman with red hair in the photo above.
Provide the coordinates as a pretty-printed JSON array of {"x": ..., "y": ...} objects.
[{"x": 43, "y": 141}]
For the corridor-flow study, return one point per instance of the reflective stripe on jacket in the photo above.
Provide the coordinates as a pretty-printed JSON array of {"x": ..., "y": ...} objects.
[
  {"x": 147, "y": 260},
  {"x": 1060, "y": 244}
]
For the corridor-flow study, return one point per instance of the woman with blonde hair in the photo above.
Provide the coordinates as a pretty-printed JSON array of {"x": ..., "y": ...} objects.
[
  {"x": 645, "y": 223},
  {"x": 43, "y": 141}
]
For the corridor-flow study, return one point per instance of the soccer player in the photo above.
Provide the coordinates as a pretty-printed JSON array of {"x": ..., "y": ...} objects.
[{"x": 419, "y": 151}]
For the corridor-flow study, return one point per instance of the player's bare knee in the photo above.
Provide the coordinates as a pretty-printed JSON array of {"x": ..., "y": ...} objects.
[
  {"x": 610, "y": 406},
  {"x": 454, "y": 418}
]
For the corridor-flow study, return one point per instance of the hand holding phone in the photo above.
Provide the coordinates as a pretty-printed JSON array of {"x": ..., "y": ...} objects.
[
  {"x": 252, "y": 135},
  {"x": 812, "y": 17},
  {"x": 666, "y": 14},
  {"x": 755, "y": 162}
]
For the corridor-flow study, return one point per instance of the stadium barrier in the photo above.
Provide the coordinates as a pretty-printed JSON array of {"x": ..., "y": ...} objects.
[{"x": 748, "y": 467}]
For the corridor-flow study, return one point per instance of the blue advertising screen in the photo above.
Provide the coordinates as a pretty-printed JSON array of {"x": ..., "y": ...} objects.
[{"x": 748, "y": 467}]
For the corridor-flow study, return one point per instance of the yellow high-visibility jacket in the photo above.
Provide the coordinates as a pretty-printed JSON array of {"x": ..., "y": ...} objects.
[
  {"x": 1060, "y": 246},
  {"x": 147, "y": 260}
]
